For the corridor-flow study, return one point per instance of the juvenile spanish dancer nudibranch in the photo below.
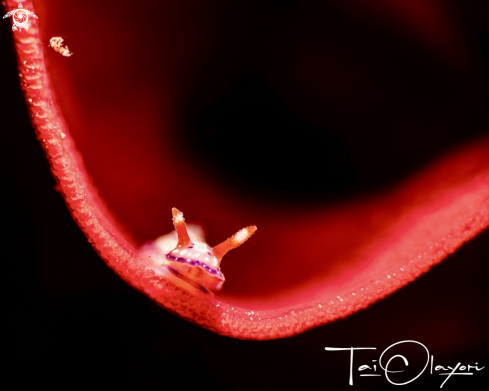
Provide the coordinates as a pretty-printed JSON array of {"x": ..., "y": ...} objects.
[{"x": 183, "y": 256}]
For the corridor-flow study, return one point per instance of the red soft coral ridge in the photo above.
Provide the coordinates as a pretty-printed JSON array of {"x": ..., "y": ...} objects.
[{"x": 382, "y": 242}]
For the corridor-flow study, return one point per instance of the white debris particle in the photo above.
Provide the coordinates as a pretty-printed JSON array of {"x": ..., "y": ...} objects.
[{"x": 57, "y": 44}]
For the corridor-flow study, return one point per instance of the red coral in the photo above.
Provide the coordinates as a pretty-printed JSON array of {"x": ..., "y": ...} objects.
[{"x": 317, "y": 262}]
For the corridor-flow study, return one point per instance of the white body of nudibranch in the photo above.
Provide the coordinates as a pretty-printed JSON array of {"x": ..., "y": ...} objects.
[{"x": 185, "y": 258}]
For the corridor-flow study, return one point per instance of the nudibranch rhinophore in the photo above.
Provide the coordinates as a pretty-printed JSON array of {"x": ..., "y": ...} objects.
[{"x": 184, "y": 257}]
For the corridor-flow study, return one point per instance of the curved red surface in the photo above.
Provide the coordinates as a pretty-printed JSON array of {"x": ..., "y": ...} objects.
[{"x": 122, "y": 109}]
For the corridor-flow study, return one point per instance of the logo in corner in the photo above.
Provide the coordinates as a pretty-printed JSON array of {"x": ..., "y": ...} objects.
[{"x": 20, "y": 17}]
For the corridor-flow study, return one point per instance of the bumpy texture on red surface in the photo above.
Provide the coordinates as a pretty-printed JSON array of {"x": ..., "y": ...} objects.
[{"x": 440, "y": 224}]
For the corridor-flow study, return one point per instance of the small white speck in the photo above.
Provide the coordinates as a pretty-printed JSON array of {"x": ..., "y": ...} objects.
[
  {"x": 188, "y": 260},
  {"x": 320, "y": 306},
  {"x": 206, "y": 258},
  {"x": 175, "y": 251},
  {"x": 57, "y": 44},
  {"x": 183, "y": 252},
  {"x": 197, "y": 255}
]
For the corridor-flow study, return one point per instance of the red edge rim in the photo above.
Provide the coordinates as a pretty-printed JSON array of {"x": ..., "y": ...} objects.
[{"x": 215, "y": 315}]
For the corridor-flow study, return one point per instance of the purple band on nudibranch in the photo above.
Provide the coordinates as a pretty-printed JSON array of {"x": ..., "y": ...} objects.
[{"x": 194, "y": 262}]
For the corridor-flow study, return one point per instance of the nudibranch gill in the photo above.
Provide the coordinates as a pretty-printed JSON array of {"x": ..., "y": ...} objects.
[{"x": 183, "y": 257}]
